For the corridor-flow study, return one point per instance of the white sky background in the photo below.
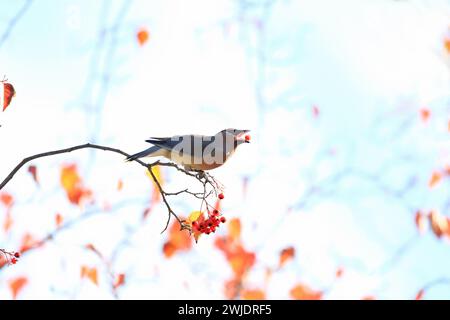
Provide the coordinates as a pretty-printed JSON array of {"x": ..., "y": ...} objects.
[{"x": 369, "y": 66}]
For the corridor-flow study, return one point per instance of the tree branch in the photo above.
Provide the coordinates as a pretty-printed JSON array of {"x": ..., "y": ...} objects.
[{"x": 202, "y": 177}]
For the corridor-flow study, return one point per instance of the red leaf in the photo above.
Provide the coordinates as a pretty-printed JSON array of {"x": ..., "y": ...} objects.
[
  {"x": 420, "y": 294},
  {"x": 120, "y": 280},
  {"x": 8, "y": 94},
  {"x": 33, "y": 171}
]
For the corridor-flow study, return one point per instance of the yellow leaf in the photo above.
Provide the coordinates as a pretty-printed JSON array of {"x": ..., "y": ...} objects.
[
  {"x": 158, "y": 175},
  {"x": 193, "y": 216},
  {"x": 234, "y": 229}
]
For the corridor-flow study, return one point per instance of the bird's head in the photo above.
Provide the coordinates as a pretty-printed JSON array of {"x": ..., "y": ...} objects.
[{"x": 238, "y": 136}]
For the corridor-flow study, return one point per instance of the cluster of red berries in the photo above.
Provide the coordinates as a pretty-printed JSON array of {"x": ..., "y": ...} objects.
[
  {"x": 16, "y": 256},
  {"x": 210, "y": 224}
]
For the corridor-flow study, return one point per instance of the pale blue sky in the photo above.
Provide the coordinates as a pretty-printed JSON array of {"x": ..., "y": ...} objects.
[{"x": 369, "y": 67}]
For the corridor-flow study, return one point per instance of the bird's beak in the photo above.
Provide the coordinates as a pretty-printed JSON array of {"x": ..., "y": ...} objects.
[{"x": 240, "y": 136}]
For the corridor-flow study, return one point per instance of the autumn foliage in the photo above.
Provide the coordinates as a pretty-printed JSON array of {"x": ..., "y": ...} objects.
[{"x": 72, "y": 183}]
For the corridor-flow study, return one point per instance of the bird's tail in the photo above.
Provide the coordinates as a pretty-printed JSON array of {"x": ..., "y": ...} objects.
[{"x": 145, "y": 153}]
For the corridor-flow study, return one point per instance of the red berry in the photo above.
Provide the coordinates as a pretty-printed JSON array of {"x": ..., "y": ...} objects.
[
  {"x": 247, "y": 137},
  {"x": 215, "y": 212},
  {"x": 13, "y": 260},
  {"x": 213, "y": 229},
  {"x": 195, "y": 224},
  {"x": 17, "y": 254},
  {"x": 221, "y": 196},
  {"x": 223, "y": 219}
]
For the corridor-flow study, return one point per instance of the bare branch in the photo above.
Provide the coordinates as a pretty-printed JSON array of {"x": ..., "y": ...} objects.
[{"x": 14, "y": 21}]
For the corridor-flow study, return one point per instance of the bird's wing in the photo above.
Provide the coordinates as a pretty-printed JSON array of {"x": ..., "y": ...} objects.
[{"x": 187, "y": 143}]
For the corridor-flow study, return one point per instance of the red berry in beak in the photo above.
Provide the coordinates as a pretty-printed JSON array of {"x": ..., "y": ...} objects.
[{"x": 247, "y": 138}]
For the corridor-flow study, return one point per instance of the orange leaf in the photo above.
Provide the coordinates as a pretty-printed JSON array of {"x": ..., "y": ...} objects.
[
  {"x": 73, "y": 185},
  {"x": 234, "y": 229},
  {"x": 8, "y": 222},
  {"x": 33, "y": 171},
  {"x": 447, "y": 44},
  {"x": 425, "y": 114},
  {"x": 142, "y": 36},
  {"x": 286, "y": 255},
  {"x": 90, "y": 273},
  {"x": 421, "y": 221},
  {"x": 119, "y": 185},
  {"x": 169, "y": 249},
  {"x": 29, "y": 242},
  {"x": 16, "y": 285},
  {"x": 8, "y": 94},
  {"x": 303, "y": 292},
  {"x": 120, "y": 280},
  {"x": 232, "y": 288},
  {"x": 241, "y": 261},
  {"x": 6, "y": 199},
  {"x": 435, "y": 178},
  {"x": 439, "y": 224},
  {"x": 179, "y": 240},
  {"x": 339, "y": 272},
  {"x": 58, "y": 220},
  {"x": 253, "y": 295}
]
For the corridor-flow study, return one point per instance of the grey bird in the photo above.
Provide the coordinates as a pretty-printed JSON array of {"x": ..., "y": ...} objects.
[{"x": 196, "y": 152}]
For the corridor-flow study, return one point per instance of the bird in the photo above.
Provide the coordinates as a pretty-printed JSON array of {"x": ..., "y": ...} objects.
[{"x": 196, "y": 152}]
